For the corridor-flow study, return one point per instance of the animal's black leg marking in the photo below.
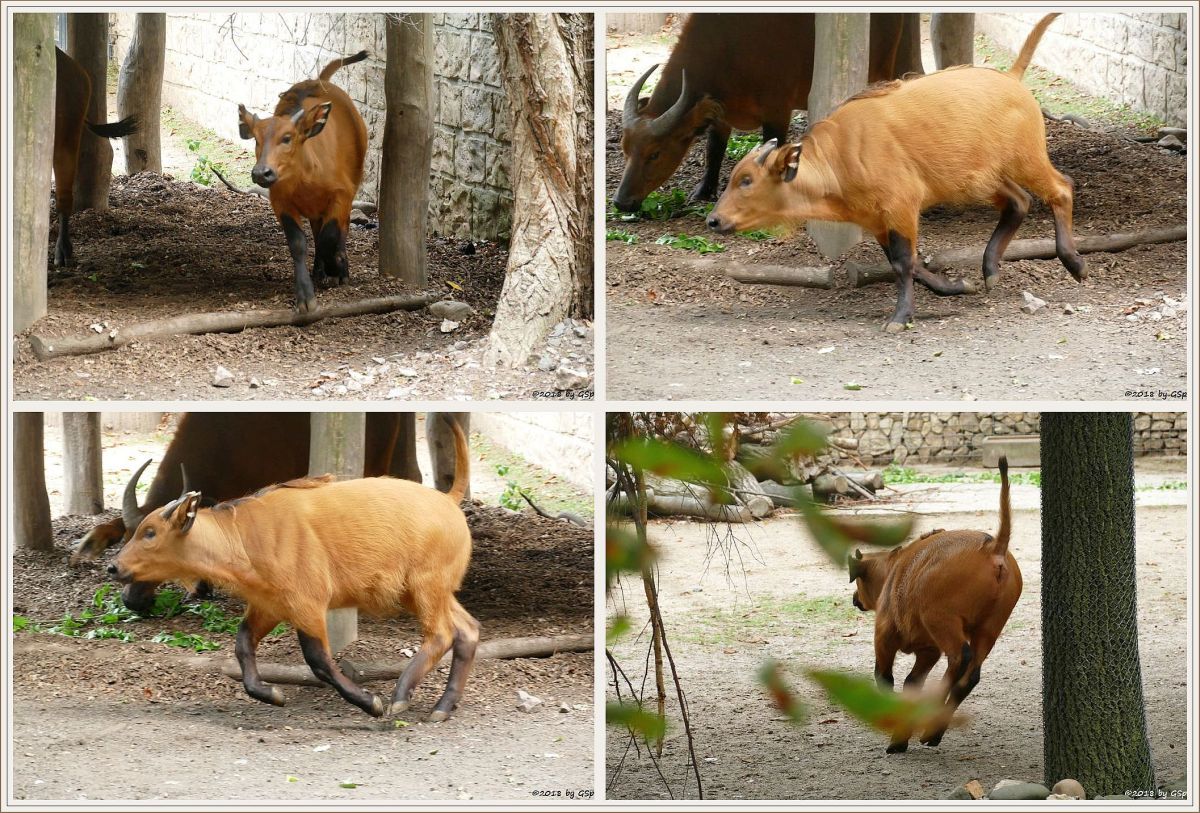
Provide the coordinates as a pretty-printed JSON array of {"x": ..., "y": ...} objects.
[
  {"x": 306, "y": 297},
  {"x": 316, "y": 655}
]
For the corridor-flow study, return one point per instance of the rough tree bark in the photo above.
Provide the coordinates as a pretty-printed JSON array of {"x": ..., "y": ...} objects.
[
  {"x": 546, "y": 70},
  {"x": 139, "y": 92},
  {"x": 33, "y": 149},
  {"x": 1092, "y": 705},
  {"x": 336, "y": 446},
  {"x": 908, "y": 55},
  {"x": 31, "y": 514},
  {"x": 440, "y": 440},
  {"x": 88, "y": 41},
  {"x": 840, "y": 62},
  {"x": 953, "y": 39},
  {"x": 407, "y": 148},
  {"x": 83, "y": 463},
  {"x": 404, "y": 455}
]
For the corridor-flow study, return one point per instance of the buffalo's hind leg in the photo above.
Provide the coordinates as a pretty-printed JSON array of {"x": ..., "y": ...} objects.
[
  {"x": 466, "y": 640},
  {"x": 1058, "y": 191},
  {"x": 1013, "y": 203},
  {"x": 254, "y": 626},
  {"x": 438, "y": 635},
  {"x": 331, "y": 247},
  {"x": 315, "y": 647}
]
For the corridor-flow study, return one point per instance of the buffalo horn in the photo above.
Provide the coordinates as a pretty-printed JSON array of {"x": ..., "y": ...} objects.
[
  {"x": 130, "y": 512},
  {"x": 631, "y": 101}
]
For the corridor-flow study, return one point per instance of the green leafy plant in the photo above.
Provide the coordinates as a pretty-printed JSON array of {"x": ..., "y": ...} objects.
[
  {"x": 109, "y": 632},
  {"x": 621, "y": 235},
  {"x": 168, "y": 603},
  {"x": 759, "y": 234},
  {"x": 904, "y": 475},
  {"x": 741, "y": 145},
  {"x": 186, "y": 640},
  {"x": 215, "y": 619},
  {"x": 698, "y": 244},
  {"x": 202, "y": 172},
  {"x": 20, "y": 624}
]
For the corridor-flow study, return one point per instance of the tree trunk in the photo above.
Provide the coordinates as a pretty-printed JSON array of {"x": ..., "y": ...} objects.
[
  {"x": 407, "y": 148},
  {"x": 840, "y": 62},
  {"x": 88, "y": 42},
  {"x": 83, "y": 463},
  {"x": 337, "y": 447},
  {"x": 908, "y": 54},
  {"x": 31, "y": 514},
  {"x": 139, "y": 92},
  {"x": 546, "y": 71},
  {"x": 953, "y": 39},
  {"x": 33, "y": 149},
  {"x": 440, "y": 440},
  {"x": 404, "y": 455},
  {"x": 1092, "y": 705}
]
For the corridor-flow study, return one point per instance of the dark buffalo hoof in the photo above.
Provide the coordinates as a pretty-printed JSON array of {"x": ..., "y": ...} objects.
[
  {"x": 308, "y": 306},
  {"x": 399, "y": 707},
  {"x": 1077, "y": 266},
  {"x": 64, "y": 262},
  {"x": 896, "y": 327},
  {"x": 933, "y": 740},
  {"x": 276, "y": 698},
  {"x": 438, "y": 716},
  {"x": 378, "y": 706},
  {"x": 898, "y": 747},
  {"x": 968, "y": 287},
  {"x": 990, "y": 281},
  {"x": 701, "y": 193}
]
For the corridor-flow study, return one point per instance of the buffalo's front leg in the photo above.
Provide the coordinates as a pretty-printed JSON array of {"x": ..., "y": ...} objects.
[
  {"x": 254, "y": 626},
  {"x": 64, "y": 253},
  {"x": 899, "y": 250},
  {"x": 714, "y": 155},
  {"x": 306, "y": 297},
  {"x": 316, "y": 654}
]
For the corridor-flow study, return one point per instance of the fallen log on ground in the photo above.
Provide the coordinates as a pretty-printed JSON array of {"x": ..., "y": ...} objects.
[
  {"x": 860, "y": 274},
  {"x": 498, "y": 649},
  {"x": 802, "y": 276},
  {"x": 48, "y": 347},
  {"x": 364, "y": 206}
]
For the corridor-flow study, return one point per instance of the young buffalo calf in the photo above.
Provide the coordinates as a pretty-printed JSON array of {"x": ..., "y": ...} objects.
[
  {"x": 948, "y": 592},
  {"x": 962, "y": 135},
  {"x": 295, "y": 550}
]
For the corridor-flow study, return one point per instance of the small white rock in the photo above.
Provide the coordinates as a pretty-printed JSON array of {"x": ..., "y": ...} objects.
[
  {"x": 222, "y": 377},
  {"x": 448, "y": 326}
]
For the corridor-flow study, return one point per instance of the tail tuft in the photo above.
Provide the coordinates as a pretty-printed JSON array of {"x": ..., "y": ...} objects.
[
  {"x": 1001, "y": 545},
  {"x": 462, "y": 459},
  {"x": 1031, "y": 43},
  {"x": 329, "y": 70},
  {"x": 118, "y": 129}
]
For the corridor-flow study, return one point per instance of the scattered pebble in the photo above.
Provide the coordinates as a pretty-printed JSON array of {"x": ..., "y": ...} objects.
[{"x": 222, "y": 377}]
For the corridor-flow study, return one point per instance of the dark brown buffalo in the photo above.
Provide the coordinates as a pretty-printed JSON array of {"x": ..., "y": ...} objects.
[
  {"x": 727, "y": 72},
  {"x": 72, "y": 96}
]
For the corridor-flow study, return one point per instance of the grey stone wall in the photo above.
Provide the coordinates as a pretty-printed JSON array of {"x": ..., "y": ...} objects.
[
  {"x": 1135, "y": 59},
  {"x": 559, "y": 442},
  {"x": 957, "y": 437},
  {"x": 216, "y": 61}
]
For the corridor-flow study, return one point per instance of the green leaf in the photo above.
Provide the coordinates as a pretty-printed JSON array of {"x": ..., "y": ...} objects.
[
  {"x": 291, "y": 778},
  {"x": 619, "y": 626},
  {"x": 884, "y": 710},
  {"x": 624, "y": 553},
  {"x": 20, "y": 623},
  {"x": 800, "y": 437},
  {"x": 349, "y": 784},
  {"x": 701, "y": 245},
  {"x": 620, "y": 235},
  {"x": 670, "y": 460},
  {"x": 838, "y": 536},
  {"x": 850, "y": 385},
  {"x": 782, "y": 696},
  {"x": 636, "y": 719},
  {"x": 399, "y": 724}
]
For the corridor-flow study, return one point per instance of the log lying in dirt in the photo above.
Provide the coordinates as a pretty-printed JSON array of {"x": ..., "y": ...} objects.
[
  {"x": 48, "y": 347},
  {"x": 784, "y": 496},
  {"x": 802, "y": 276},
  {"x": 861, "y": 275},
  {"x": 498, "y": 649},
  {"x": 698, "y": 505},
  {"x": 835, "y": 483}
]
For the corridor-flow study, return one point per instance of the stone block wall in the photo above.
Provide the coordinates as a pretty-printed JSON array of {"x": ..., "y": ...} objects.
[
  {"x": 559, "y": 442},
  {"x": 216, "y": 61},
  {"x": 1135, "y": 59},
  {"x": 957, "y": 437}
]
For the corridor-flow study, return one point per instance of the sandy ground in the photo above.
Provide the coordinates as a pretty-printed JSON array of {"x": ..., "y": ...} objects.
[
  {"x": 103, "y": 719},
  {"x": 773, "y": 595},
  {"x": 1094, "y": 341}
]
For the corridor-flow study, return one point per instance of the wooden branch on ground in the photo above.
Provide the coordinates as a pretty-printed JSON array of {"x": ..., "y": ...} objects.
[
  {"x": 364, "y": 206},
  {"x": 861, "y": 275},
  {"x": 802, "y": 276},
  {"x": 48, "y": 347},
  {"x": 498, "y": 649}
]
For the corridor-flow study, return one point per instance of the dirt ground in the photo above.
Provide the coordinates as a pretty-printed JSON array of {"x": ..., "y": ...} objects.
[
  {"x": 793, "y": 605},
  {"x": 167, "y": 247},
  {"x": 738, "y": 341},
  {"x": 102, "y": 719}
]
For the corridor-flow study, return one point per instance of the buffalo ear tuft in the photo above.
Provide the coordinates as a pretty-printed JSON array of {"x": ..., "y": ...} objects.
[
  {"x": 790, "y": 158},
  {"x": 246, "y": 122}
]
